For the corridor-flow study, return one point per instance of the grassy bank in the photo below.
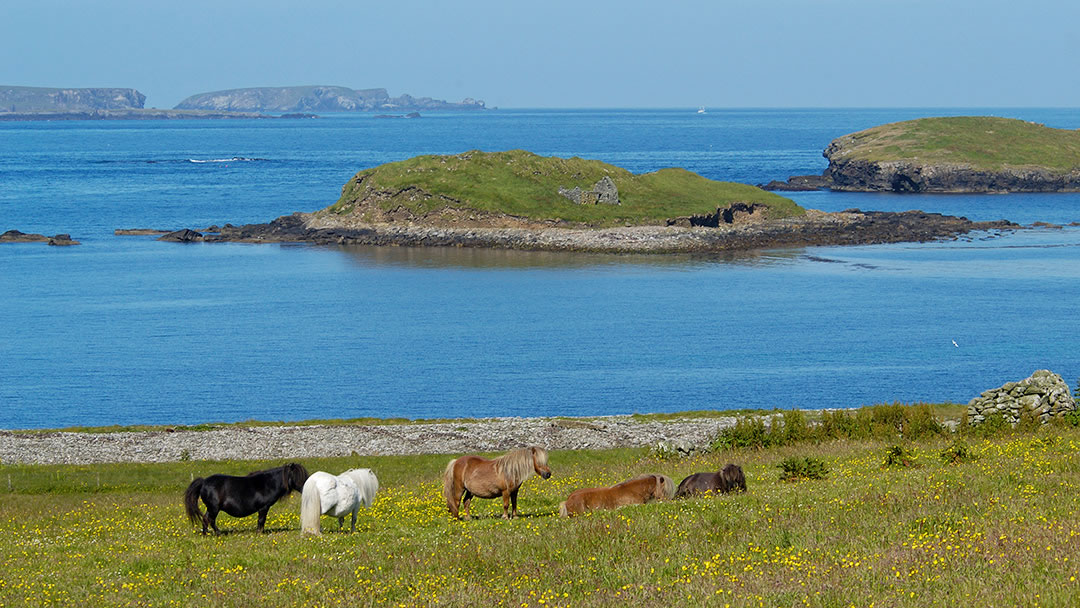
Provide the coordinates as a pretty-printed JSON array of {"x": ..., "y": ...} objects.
[
  {"x": 999, "y": 528},
  {"x": 523, "y": 184},
  {"x": 983, "y": 142}
]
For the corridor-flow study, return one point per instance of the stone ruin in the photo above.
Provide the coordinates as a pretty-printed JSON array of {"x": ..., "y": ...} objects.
[
  {"x": 1045, "y": 394},
  {"x": 603, "y": 192}
]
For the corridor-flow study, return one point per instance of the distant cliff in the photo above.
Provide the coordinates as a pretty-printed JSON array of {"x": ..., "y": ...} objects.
[
  {"x": 317, "y": 99},
  {"x": 40, "y": 99}
]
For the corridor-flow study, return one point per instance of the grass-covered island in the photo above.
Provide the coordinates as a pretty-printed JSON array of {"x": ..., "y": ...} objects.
[
  {"x": 952, "y": 154},
  {"x": 519, "y": 200},
  {"x": 522, "y": 188}
]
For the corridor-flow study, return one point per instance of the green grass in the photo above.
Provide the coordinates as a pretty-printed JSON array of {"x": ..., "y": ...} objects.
[
  {"x": 523, "y": 184},
  {"x": 983, "y": 142},
  {"x": 999, "y": 529}
]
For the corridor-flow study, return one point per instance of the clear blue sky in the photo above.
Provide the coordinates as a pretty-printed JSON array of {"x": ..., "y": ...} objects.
[{"x": 558, "y": 53}]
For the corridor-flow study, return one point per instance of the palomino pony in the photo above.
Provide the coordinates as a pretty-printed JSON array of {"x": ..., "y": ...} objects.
[
  {"x": 475, "y": 476},
  {"x": 637, "y": 491},
  {"x": 241, "y": 496},
  {"x": 728, "y": 479},
  {"x": 336, "y": 496}
]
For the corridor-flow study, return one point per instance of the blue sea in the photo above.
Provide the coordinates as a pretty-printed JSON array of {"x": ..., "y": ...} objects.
[{"x": 128, "y": 330}]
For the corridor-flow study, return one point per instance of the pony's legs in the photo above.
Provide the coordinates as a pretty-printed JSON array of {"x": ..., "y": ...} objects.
[
  {"x": 211, "y": 516},
  {"x": 468, "y": 502},
  {"x": 513, "y": 502},
  {"x": 506, "y": 504},
  {"x": 452, "y": 502},
  {"x": 340, "y": 522},
  {"x": 262, "y": 519},
  {"x": 353, "y": 521}
]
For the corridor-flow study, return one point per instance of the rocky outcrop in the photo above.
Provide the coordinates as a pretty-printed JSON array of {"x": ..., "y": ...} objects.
[
  {"x": 798, "y": 183},
  {"x": 62, "y": 240},
  {"x": 182, "y": 236},
  {"x": 317, "y": 99},
  {"x": 604, "y": 192},
  {"x": 38, "y": 99},
  {"x": 1044, "y": 394},
  {"x": 735, "y": 213},
  {"x": 14, "y": 236},
  {"x": 911, "y": 176}
]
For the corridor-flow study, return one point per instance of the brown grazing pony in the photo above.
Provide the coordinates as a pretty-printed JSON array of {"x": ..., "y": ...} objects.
[
  {"x": 636, "y": 491},
  {"x": 728, "y": 479},
  {"x": 475, "y": 476}
]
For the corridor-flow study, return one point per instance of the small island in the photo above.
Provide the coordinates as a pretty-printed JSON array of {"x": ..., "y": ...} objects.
[
  {"x": 519, "y": 200},
  {"x": 962, "y": 154}
]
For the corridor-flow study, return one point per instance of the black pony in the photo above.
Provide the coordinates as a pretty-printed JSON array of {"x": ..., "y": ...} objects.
[
  {"x": 242, "y": 496},
  {"x": 728, "y": 479}
]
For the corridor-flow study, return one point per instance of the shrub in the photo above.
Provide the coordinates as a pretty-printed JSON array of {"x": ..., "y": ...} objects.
[
  {"x": 887, "y": 420},
  {"x": 898, "y": 456},
  {"x": 797, "y": 469},
  {"x": 794, "y": 428},
  {"x": 919, "y": 422},
  {"x": 748, "y": 432},
  {"x": 992, "y": 426},
  {"x": 838, "y": 424},
  {"x": 958, "y": 452},
  {"x": 1071, "y": 418},
  {"x": 1029, "y": 421}
]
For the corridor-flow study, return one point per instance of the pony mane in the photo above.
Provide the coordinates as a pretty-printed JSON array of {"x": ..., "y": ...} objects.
[
  {"x": 295, "y": 475},
  {"x": 517, "y": 466}
]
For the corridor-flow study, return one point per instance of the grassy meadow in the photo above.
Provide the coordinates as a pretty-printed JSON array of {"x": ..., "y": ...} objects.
[
  {"x": 524, "y": 184},
  {"x": 983, "y": 142},
  {"x": 1001, "y": 527}
]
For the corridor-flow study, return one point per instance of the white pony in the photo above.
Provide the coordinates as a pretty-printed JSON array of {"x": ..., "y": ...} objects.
[{"x": 335, "y": 496}]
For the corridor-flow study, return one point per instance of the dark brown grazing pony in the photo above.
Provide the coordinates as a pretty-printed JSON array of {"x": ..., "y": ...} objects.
[
  {"x": 475, "y": 476},
  {"x": 728, "y": 479},
  {"x": 636, "y": 491},
  {"x": 255, "y": 492}
]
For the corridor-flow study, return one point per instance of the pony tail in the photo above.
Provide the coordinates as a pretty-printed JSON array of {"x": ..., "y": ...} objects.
[
  {"x": 373, "y": 486},
  {"x": 562, "y": 509},
  {"x": 191, "y": 500},
  {"x": 448, "y": 482},
  {"x": 310, "y": 508}
]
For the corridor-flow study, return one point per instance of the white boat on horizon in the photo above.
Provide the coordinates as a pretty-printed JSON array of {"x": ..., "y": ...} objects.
[{"x": 701, "y": 110}]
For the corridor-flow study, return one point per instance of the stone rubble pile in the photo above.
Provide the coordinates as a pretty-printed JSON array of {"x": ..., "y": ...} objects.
[{"x": 1044, "y": 393}]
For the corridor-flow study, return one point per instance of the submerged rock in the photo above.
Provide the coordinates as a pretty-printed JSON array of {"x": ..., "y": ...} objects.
[
  {"x": 15, "y": 236},
  {"x": 182, "y": 236}
]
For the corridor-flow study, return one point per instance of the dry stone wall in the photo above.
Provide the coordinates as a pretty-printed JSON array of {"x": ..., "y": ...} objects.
[{"x": 1044, "y": 393}]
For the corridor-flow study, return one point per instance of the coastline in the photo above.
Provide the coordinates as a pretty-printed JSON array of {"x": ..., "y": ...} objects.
[
  {"x": 326, "y": 441},
  {"x": 852, "y": 227}
]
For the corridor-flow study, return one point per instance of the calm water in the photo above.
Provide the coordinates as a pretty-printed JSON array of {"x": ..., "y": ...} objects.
[{"x": 129, "y": 330}]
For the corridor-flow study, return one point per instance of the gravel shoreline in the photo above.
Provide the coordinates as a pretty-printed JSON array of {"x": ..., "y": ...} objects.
[
  {"x": 314, "y": 441},
  {"x": 852, "y": 227}
]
